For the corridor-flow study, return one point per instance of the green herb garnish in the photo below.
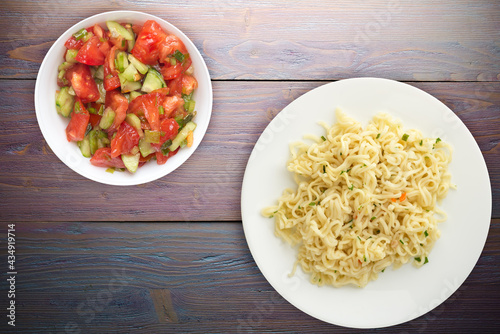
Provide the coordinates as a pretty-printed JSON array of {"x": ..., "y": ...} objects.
[
  {"x": 421, "y": 141},
  {"x": 405, "y": 137},
  {"x": 401, "y": 241},
  {"x": 324, "y": 169},
  {"x": 372, "y": 218},
  {"x": 351, "y": 187},
  {"x": 426, "y": 234},
  {"x": 323, "y": 137},
  {"x": 312, "y": 204},
  {"x": 438, "y": 140},
  {"x": 418, "y": 259},
  {"x": 378, "y": 136},
  {"x": 179, "y": 56},
  {"x": 364, "y": 257},
  {"x": 426, "y": 260}
]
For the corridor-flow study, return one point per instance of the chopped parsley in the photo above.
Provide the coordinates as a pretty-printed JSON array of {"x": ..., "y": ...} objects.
[
  {"x": 351, "y": 226},
  {"x": 383, "y": 270},
  {"x": 426, "y": 260},
  {"x": 438, "y": 140},
  {"x": 345, "y": 171},
  {"x": 421, "y": 141},
  {"x": 300, "y": 207},
  {"x": 378, "y": 136},
  {"x": 418, "y": 259},
  {"x": 350, "y": 221},
  {"x": 405, "y": 137},
  {"x": 359, "y": 238},
  {"x": 426, "y": 234},
  {"x": 364, "y": 257},
  {"x": 373, "y": 218},
  {"x": 351, "y": 187},
  {"x": 364, "y": 165},
  {"x": 340, "y": 153},
  {"x": 323, "y": 137},
  {"x": 401, "y": 241},
  {"x": 360, "y": 207},
  {"x": 369, "y": 238},
  {"x": 377, "y": 232},
  {"x": 324, "y": 169},
  {"x": 312, "y": 204}
]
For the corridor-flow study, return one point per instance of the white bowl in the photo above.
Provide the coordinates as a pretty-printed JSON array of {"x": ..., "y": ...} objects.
[{"x": 53, "y": 125}]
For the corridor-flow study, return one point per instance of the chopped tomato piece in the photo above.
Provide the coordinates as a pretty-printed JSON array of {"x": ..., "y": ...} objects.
[
  {"x": 73, "y": 44},
  {"x": 75, "y": 131},
  {"x": 170, "y": 72},
  {"x": 147, "y": 44},
  {"x": 102, "y": 158},
  {"x": 171, "y": 104},
  {"x": 168, "y": 46},
  {"x": 189, "y": 84},
  {"x": 169, "y": 129},
  {"x": 148, "y": 105},
  {"x": 125, "y": 140},
  {"x": 161, "y": 159},
  {"x": 119, "y": 103},
  {"x": 111, "y": 79},
  {"x": 82, "y": 82},
  {"x": 90, "y": 53},
  {"x": 94, "y": 119},
  {"x": 175, "y": 86},
  {"x": 119, "y": 42},
  {"x": 98, "y": 31}
]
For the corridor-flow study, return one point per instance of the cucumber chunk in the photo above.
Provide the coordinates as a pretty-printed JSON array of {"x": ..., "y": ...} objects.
[
  {"x": 121, "y": 61},
  {"x": 133, "y": 120},
  {"x": 182, "y": 135},
  {"x": 131, "y": 74},
  {"x": 99, "y": 73},
  {"x": 131, "y": 161},
  {"x": 71, "y": 55},
  {"x": 64, "y": 102},
  {"x": 117, "y": 29},
  {"x": 84, "y": 146},
  {"x": 143, "y": 68},
  {"x": 128, "y": 86},
  {"x": 107, "y": 118},
  {"x": 134, "y": 94},
  {"x": 153, "y": 81},
  {"x": 145, "y": 148}
]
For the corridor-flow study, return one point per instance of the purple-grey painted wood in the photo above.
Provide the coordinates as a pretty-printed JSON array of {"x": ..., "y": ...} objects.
[
  {"x": 190, "y": 277},
  {"x": 290, "y": 40}
]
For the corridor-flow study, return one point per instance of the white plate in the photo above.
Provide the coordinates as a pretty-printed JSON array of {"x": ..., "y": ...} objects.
[
  {"x": 398, "y": 295},
  {"x": 53, "y": 125}
]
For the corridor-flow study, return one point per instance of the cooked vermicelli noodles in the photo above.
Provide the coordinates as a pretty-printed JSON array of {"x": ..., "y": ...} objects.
[{"x": 365, "y": 200}]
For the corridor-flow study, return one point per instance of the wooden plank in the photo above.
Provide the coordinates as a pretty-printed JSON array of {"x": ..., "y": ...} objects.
[
  {"x": 35, "y": 185},
  {"x": 185, "y": 277},
  {"x": 326, "y": 40}
]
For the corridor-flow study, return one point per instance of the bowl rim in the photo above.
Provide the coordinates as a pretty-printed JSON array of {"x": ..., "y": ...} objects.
[{"x": 128, "y": 181}]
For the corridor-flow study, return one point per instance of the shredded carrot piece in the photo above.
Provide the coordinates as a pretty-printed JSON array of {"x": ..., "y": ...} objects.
[
  {"x": 190, "y": 139},
  {"x": 403, "y": 197},
  {"x": 394, "y": 200}
]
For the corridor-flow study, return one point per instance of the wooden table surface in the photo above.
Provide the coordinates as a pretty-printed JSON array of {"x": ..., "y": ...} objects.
[{"x": 170, "y": 256}]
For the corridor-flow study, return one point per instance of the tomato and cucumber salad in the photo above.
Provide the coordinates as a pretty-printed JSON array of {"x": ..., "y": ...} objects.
[{"x": 128, "y": 93}]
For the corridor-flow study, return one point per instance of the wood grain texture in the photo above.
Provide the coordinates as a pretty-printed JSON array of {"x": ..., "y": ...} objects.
[
  {"x": 190, "y": 277},
  {"x": 290, "y": 40},
  {"x": 36, "y": 185}
]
